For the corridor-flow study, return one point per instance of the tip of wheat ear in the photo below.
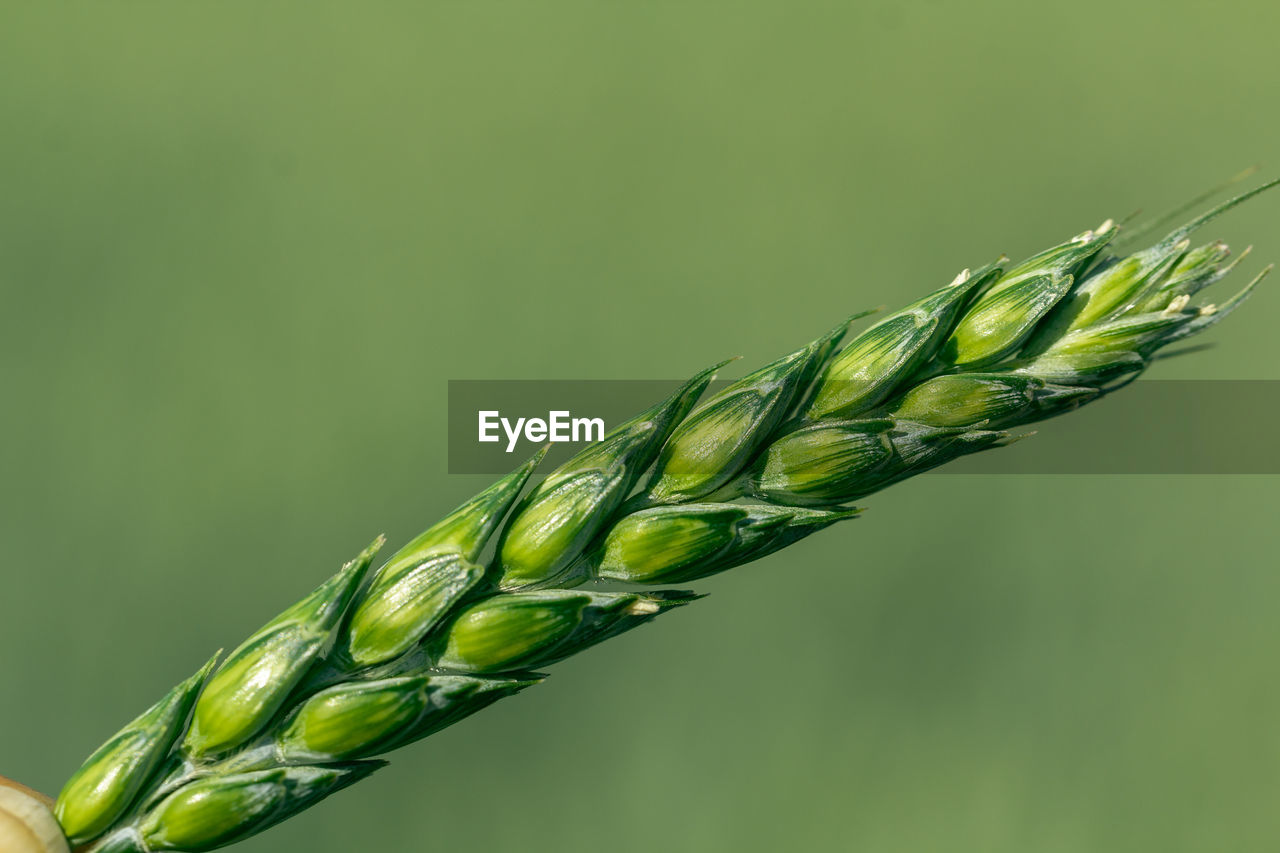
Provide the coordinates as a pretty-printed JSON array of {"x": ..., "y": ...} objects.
[{"x": 26, "y": 823}]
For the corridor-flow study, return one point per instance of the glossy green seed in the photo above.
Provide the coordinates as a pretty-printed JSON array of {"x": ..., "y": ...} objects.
[
  {"x": 558, "y": 521},
  {"x": 643, "y": 546},
  {"x": 363, "y": 719},
  {"x": 527, "y": 630},
  {"x": 998, "y": 325},
  {"x": 987, "y": 399},
  {"x": 1004, "y": 317},
  {"x": 713, "y": 443},
  {"x": 206, "y": 815},
  {"x": 559, "y": 518},
  {"x": 866, "y": 372},
  {"x": 511, "y": 632},
  {"x": 814, "y": 465},
  {"x": 219, "y": 810},
  {"x": 418, "y": 585},
  {"x": 257, "y": 677},
  {"x": 351, "y": 720},
  {"x": 682, "y": 543},
  {"x": 107, "y": 783},
  {"x": 467, "y": 529},
  {"x": 832, "y": 463},
  {"x": 403, "y": 605}
]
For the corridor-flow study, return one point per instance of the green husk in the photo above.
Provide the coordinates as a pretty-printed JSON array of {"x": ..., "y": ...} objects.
[
  {"x": 527, "y": 630},
  {"x": 1008, "y": 313},
  {"x": 361, "y": 719},
  {"x": 109, "y": 780},
  {"x": 870, "y": 368},
  {"x": 678, "y": 544},
  {"x": 218, "y": 810},
  {"x": 257, "y": 677},
  {"x": 559, "y": 518},
  {"x": 713, "y": 443}
]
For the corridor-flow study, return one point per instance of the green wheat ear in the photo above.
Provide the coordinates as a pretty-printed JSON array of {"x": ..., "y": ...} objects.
[{"x": 361, "y": 667}]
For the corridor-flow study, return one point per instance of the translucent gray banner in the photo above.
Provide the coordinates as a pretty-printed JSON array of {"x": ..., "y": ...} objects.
[{"x": 1150, "y": 427}]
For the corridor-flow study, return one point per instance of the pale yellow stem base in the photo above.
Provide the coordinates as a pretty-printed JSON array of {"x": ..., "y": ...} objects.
[{"x": 26, "y": 823}]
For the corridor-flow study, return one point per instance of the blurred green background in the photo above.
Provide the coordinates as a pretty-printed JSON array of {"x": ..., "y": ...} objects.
[{"x": 244, "y": 246}]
